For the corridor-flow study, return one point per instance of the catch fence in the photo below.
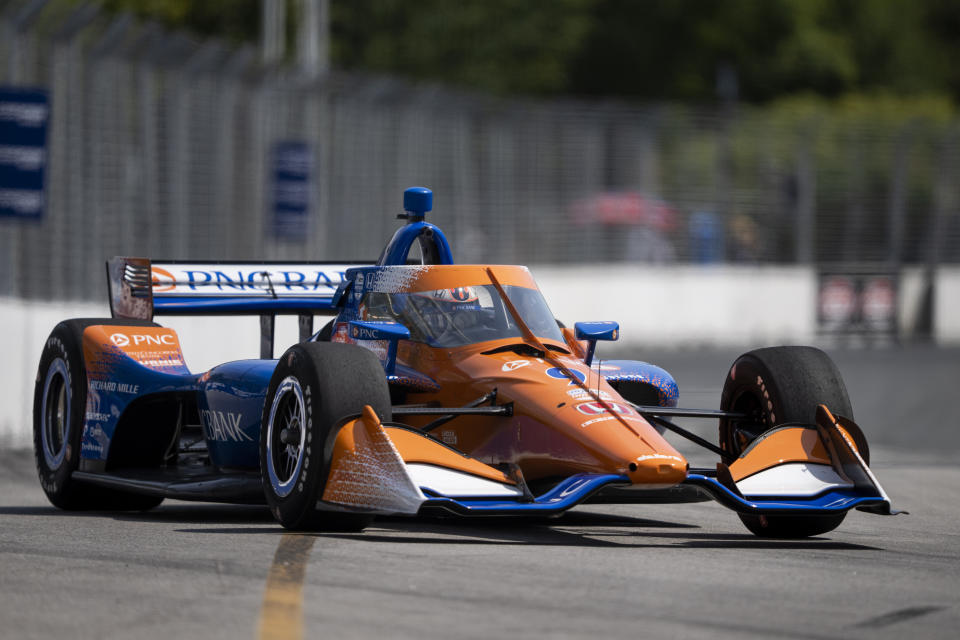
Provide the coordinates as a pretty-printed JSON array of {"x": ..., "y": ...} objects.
[{"x": 163, "y": 146}]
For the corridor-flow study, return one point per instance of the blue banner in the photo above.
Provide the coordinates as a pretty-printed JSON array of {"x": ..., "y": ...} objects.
[
  {"x": 24, "y": 114},
  {"x": 292, "y": 164}
]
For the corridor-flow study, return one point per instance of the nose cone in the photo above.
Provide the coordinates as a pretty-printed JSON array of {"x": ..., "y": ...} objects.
[{"x": 658, "y": 469}]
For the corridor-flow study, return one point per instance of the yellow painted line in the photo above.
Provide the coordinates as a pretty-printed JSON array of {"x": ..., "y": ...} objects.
[{"x": 281, "y": 616}]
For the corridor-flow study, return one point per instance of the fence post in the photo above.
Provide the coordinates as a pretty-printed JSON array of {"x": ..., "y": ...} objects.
[
  {"x": 805, "y": 229},
  {"x": 853, "y": 228},
  {"x": 897, "y": 210}
]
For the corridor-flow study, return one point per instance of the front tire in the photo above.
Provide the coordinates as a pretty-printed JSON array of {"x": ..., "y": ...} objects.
[
  {"x": 779, "y": 385},
  {"x": 59, "y": 408},
  {"x": 314, "y": 387}
]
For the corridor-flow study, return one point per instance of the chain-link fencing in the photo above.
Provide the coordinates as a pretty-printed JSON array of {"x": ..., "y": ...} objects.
[{"x": 160, "y": 146}]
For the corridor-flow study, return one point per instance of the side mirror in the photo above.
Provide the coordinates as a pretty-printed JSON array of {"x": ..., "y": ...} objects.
[
  {"x": 593, "y": 331},
  {"x": 392, "y": 332}
]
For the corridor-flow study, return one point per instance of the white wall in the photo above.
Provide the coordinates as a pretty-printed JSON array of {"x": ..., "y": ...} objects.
[
  {"x": 946, "y": 315},
  {"x": 682, "y": 306},
  {"x": 687, "y": 305}
]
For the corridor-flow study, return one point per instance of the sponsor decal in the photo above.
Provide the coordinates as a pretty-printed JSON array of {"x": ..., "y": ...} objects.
[
  {"x": 579, "y": 393},
  {"x": 606, "y": 367},
  {"x": 137, "y": 339},
  {"x": 95, "y": 443},
  {"x": 112, "y": 386},
  {"x": 163, "y": 280},
  {"x": 513, "y": 365},
  {"x": 97, "y": 417},
  {"x": 341, "y": 333},
  {"x": 291, "y": 279},
  {"x": 91, "y": 448},
  {"x": 556, "y": 372},
  {"x": 448, "y": 437},
  {"x": 362, "y": 333},
  {"x": 595, "y": 408},
  {"x": 358, "y": 287},
  {"x": 160, "y": 361},
  {"x": 156, "y": 348},
  {"x": 609, "y": 417},
  {"x": 223, "y": 426}
]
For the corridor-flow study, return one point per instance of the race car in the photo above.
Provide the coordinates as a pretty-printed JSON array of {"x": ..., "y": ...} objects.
[{"x": 436, "y": 388}]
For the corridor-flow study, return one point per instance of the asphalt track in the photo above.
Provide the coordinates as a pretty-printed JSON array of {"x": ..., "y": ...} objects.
[{"x": 672, "y": 571}]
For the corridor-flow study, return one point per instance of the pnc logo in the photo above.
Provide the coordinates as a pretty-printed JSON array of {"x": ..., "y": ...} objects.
[
  {"x": 137, "y": 339},
  {"x": 163, "y": 280}
]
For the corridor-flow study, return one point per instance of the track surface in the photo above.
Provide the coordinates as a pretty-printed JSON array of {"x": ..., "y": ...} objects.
[{"x": 199, "y": 570}]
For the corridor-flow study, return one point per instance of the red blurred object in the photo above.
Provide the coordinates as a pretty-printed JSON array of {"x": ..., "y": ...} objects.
[{"x": 625, "y": 208}]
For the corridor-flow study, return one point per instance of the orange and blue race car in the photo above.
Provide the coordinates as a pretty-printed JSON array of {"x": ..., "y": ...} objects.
[{"x": 437, "y": 388}]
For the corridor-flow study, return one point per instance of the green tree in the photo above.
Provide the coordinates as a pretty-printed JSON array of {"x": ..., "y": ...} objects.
[
  {"x": 235, "y": 20},
  {"x": 673, "y": 48},
  {"x": 635, "y": 49},
  {"x": 497, "y": 45}
]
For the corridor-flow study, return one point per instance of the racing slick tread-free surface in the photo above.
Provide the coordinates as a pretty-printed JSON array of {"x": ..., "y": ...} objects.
[
  {"x": 66, "y": 342},
  {"x": 783, "y": 385},
  {"x": 337, "y": 381}
]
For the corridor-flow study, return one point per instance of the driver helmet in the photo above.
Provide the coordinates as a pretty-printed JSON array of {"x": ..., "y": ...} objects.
[
  {"x": 441, "y": 307},
  {"x": 455, "y": 296},
  {"x": 446, "y": 300}
]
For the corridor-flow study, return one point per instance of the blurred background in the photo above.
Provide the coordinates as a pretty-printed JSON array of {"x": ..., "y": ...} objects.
[{"x": 707, "y": 172}]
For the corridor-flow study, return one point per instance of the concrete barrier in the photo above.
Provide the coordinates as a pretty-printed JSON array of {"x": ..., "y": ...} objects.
[{"x": 687, "y": 306}]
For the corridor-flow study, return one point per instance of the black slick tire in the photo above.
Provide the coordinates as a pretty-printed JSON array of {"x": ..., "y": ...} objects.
[
  {"x": 59, "y": 408},
  {"x": 779, "y": 385},
  {"x": 314, "y": 387}
]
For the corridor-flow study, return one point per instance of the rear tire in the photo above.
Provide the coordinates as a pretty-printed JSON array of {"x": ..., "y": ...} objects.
[
  {"x": 59, "y": 409},
  {"x": 314, "y": 387},
  {"x": 780, "y": 385}
]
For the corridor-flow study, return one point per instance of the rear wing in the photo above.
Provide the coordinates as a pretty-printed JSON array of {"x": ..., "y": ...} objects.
[{"x": 141, "y": 288}]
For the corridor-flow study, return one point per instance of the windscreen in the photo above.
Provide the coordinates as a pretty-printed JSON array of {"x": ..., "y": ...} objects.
[{"x": 463, "y": 315}]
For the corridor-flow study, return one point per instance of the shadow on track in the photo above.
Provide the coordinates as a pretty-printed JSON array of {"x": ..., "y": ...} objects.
[
  {"x": 576, "y": 529},
  {"x": 182, "y": 513}
]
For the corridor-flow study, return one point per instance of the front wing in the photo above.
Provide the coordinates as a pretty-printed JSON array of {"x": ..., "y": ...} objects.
[{"x": 388, "y": 469}]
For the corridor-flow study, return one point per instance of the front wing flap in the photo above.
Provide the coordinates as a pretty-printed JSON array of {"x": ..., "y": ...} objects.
[
  {"x": 390, "y": 469},
  {"x": 797, "y": 470}
]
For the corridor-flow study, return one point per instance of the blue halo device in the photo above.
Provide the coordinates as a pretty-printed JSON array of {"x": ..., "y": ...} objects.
[{"x": 417, "y": 201}]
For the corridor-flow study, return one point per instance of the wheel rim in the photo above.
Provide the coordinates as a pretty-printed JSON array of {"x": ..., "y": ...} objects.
[
  {"x": 55, "y": 417},
  {"x": 286, "y": 436}
]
